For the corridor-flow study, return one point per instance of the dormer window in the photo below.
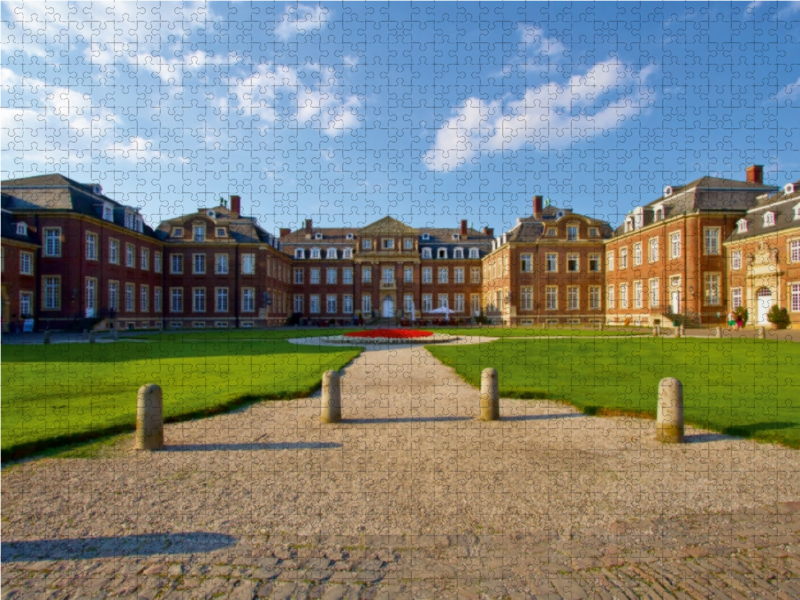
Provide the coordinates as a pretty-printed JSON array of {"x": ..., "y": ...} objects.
[
  {"x": 658, "y": 214},
  {"x": 299, "y": 253},
  {"x": 317, "y": 236},
  {"x": 668, "y": 191},
  {"x": 22, "y": 229},
  {"x": 594, "y": 232},
  {"x": 366, "y": 244},
  {"x": 796, "y": 212},
  {"x": 788, "y": 189},
  {"x": 426, "y": 253},
  {"x": 552, "y": 232},
  {"x": 441, "y": 253},
  {"x": 221, "y": 232},
  {"x": 331, "y": 254},
  {"x": 425, "y": 237},
  {"x": 769, "y": 219},
  {"x": 139, "y": 224},
  {"x": 199, "y": 233},
  {"x": 741, "y": 226},
  {"x": 108, "y": 212},
  {"x": 629, "y": 224},
  {"x": 315, "y": 253},
  {"x": 347, "y": 253},
  {"x": 388, "y": 244},
  {"x": 458, "y": 253},
  {"x": 559, "y": 214},
  {"x": 210, "y": 213},
  {"x": 349, "y": 236},
  {"x": 456, "y": 236},
  {"x": 572, "y": 233},
  {"x": 473, "y": 253},
  {"x": 177, "y": 232},
  {"x": 129, "y": 220}
]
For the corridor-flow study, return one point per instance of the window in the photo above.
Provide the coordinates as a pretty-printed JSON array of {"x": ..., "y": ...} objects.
[
  {"x": 298, "y": 276},
  {"x": 248, "y": 264},
  {"x": 144, "y": 298},
  {"x": 426, "y": 253},
  {"x": 637, "y": 254},
  {"x": 552, "y": 232},
  {"x": 113, "y": 252},
  {"x": 474, "y": 253},
  {"x": 299, "y": 253},
  {"x": 366, "y": 244},
  {"x": 52, "y": 241},
  {"x": 427, "y": 302},
  {"x": 795, "y": 297},
  {"x": 347, "y": 276},
  {"x": 408, "y": 274},
  {"x": 52, "y": 293},
  {"x": 330, "y": 276},
  {"x": 157, "y": 303},
  {"x": 736, "y": 298},
  {"x": 623, "y": 295},
  {"x": 794, "y": 251},
  {"x": 315, "y": 253},
  {"x": 130, "y": 255},
  {"x": 459, "y": 303},
  {"x": 408, "y": 304},
  {"x": 655, "y": 293},
  {"x": 298, "y": 303},
  {"x": 712, "y": 289},
  {"x": 91, "y": 246},
  {"x": 314, "y": 304},
  {"x": 573, "y": 263},
  {"x": 653, "y": 250},
  {"x": 769, "y": 219},
  {"x": 741, "y": 226},
  {"x": 594, "y": 232},
  {"x": 610, "y": 261},
  {"x": 157, "y": 262},
  {"x": 331, "y": 254},
  {"x": 144, "y": 259},
  {"x": 551, "y": 262},
  {"x": 91, "y": 296},
  {"x": 347, "y": 304},
  {"x": 573, "y": 297},
  {"x": 444, "y": 301},
  {"x": 388, "y": 275},
  {"x": 130, "y": 297},
  {"x": 176, "y": 300},
  {"x": 317, "y": 236},
  {"x": 108, "y": 213},
  {"x": 623, "y": 258},
  {"x": 441, "y": 253},
  {"x": 26, "y": 264},
  {"x": 176, "y": 264},
  {"x": 221, "y": 232},
  {"x": 527, "y": 298},
  {"x": 475, "y": 275},
  {"x": 675, "y": 244},
  {"x": 637, "y": 294},
  {"x": 177, "y": 232},
  {"x": 475, "y": 300},
  {"x": 572, "y": 233},
  {"x": 456, "y": 236},
  {"x": 366, "y": 274},
  {"x": 458, "y": 275},
  {"x": 199, "y": 300},
  {"x": 594, "y": 297},
  {"x": 736, "y": 260},
  {"x": 221, "y": 264},
  {"x": 711, "y": 240},
  {"x": 130, "y": 220},
  {"x": 366, "y": 304},
  {"x": 25, "y": 304},
  {"x": 314, "y": 278},
  {"x": 594, "y": 263},
  {"x": 199, "y": 233},
  {"x": 427, "y": 275},
  {"x": 221, "y": 305},
  {"x": 526, "y": 263},
  {"x": 347, "y": 253},
  {"x": 551, "y": 297},
  {"x": 443, "y": 275},
  {"x": 426, "y": 237},
  {"x": 610, "y": 300},
  {"x": 249, "y": 300},
  {"x": 408, "y": 244},
  {"x": 113, "y": 295},
  {"x": 330, "y": 304},
  {"x": 388, "y": 244},
  {"x": 199, "y": 264},
  {"x": 458, "y": 253}
]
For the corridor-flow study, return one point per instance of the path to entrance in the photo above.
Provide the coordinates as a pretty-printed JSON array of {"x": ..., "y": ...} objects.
[{"x": 408, "y": 497}]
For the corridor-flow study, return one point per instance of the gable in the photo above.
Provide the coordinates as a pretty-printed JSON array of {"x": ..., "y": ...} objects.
[{"x": 387, "y": 226}]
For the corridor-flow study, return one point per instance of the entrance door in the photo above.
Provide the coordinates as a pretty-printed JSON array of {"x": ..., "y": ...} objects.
[
  {"x": 764, "y": 304},
  {"x": 388, "y": 307},
  {"x": 675, "y": 295},
  {"x": 91, "y": 297}
]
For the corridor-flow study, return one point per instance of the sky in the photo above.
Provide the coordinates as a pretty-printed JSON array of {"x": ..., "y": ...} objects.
[{"x": 345, "y": 113}]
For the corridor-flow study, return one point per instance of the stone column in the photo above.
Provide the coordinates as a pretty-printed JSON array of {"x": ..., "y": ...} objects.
[
  {"x": 46, "y": 339},
  {"x": 490, "y": 396},
  {"x": 149, "y": 418},
  {"x": 331, "y": 397},
  {"x": 669, "y": 422},
  {"x": 655, "y": 330},
  {"x": 718, "y": 332},
  {"x": 760, "y": 333}
]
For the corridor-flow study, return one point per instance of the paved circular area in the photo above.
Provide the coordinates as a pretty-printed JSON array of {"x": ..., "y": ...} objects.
[{"x": 409, "y": 496}]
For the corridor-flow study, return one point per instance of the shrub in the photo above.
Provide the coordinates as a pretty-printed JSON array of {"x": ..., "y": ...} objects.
[{"x": 778, "y": 316}]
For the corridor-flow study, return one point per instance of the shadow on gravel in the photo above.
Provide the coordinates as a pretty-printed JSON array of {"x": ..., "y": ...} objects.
[
  {"x": 702, "y": 438},
  {"x": 539, "y": 417},
  {"x": 107, "y": 547},
  {"x": 252, "y": 446},
  {"x": 404, "y": 420}
]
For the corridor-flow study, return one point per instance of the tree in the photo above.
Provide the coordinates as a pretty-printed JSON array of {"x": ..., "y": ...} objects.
[{"x": 778, "y": 317}]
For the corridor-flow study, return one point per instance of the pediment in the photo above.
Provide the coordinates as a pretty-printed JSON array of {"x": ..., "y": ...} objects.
[{"x": 387, "y": 226}]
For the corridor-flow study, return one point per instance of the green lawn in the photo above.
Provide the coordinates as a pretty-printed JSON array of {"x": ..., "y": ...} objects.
[
  {"x": 740, "y": 387},
  {"x": 61, "y": 393}
]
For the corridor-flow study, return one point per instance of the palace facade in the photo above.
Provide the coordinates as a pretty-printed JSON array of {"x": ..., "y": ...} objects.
[{"x": 74, "y": 258}]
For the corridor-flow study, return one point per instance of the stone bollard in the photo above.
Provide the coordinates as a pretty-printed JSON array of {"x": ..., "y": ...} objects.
[
  {"x": 718, "y": 332},
  {"x": 760, "y": 333},
  {"x": 115, "y": 334},
  {"x": 92, "y": 338},
  {"x": 331, "y": 397},
  {"x": 683, "y": 330},
  {"x": 46, "y": 339},
  {"x": 677, "y": 332},
  {"x": 669, "y": 423},
  {"x": 149, "y": 418},
  {"x": 490, "y": 396}
]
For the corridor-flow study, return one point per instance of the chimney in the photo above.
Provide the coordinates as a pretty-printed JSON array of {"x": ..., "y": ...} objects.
[
  {"x": 755, "y": 174},
  {"x": 236, "y": 205},
  {"x": 463, "y": 227},
  {"x": 538, "y": 206},
  {"x": 308, "y": 226},
  {"x": 488, "y": 231},
  {"x": 285, "y": 231}
]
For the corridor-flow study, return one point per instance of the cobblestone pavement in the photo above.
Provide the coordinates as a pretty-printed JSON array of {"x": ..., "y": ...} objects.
[{"x": 407, "y": 498}]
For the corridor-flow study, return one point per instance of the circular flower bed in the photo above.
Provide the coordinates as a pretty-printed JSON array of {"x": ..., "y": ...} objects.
[{"x": 391, "y": 334}]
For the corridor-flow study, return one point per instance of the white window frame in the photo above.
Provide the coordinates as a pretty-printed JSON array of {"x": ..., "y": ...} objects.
[
  {"x": 675, "y": 245},
  {"x": 221, "y": 300},
  {"x": 91, "y": 245},
  {"x": 52, "y": 242},
  {"x": 736, "y": 260},
  {"x": 248, "y": 264},
  {"x": 426, "y": 253},
  {"x": 314, "y": 276},
  {"x": 711, "y": 241},
  {"x": 199, "y": 263}
]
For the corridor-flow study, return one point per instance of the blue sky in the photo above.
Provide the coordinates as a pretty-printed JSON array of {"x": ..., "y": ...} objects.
[{"x": 431, "y": 113}]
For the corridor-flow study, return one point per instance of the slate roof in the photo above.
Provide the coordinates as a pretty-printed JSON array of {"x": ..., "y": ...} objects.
[
  {"x": 242, "y": 229},
  {"x": 782, "y": 205},
  {"x": 531, "y": 229},
  {"x": 8, "y": 223}
]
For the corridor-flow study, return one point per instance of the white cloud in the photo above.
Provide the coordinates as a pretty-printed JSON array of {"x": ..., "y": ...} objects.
[
  {"x": 300, "y": 20},
  {"x": 790, "y": 91}
]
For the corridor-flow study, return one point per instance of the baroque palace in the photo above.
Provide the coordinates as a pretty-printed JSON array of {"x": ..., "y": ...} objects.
[{"x": 74, "y": 258}]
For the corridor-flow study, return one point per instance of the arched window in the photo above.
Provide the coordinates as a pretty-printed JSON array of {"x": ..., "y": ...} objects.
[
  {"x": 458, "y": 253},
  {"x": 441, "y": 253},
  {"x": 299, "y": 253},
  {"x": 741, "y": 226},
  {"x": 315, "y": 253},
  {"x": 426, "y": 253},
  {"x": 425, "y": 237},
  {"x": 769, "y": 219},
  {"x": 347, "y": 253},
  {"x": 331, "y": 254},
  {"x": 473, "y": 253}
]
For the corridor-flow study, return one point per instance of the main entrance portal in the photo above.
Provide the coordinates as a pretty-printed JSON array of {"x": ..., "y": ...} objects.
[{"x": 388, "y": 307}]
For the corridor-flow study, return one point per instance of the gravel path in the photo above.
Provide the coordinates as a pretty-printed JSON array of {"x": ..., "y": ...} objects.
[{"x": 408, "y": 460}]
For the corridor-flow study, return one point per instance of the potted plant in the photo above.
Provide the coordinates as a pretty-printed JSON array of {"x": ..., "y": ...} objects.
[{"x": 779, "y": 317}]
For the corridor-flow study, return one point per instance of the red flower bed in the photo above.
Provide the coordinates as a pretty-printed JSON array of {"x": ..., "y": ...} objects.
[{"x": 390, "y": 333}]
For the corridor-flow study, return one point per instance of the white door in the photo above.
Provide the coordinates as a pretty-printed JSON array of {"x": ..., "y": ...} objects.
[
  {"x": 764, "y": 304},
  {"x": 388, "y": 307},
  {"x": 91, "y": 298}
]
